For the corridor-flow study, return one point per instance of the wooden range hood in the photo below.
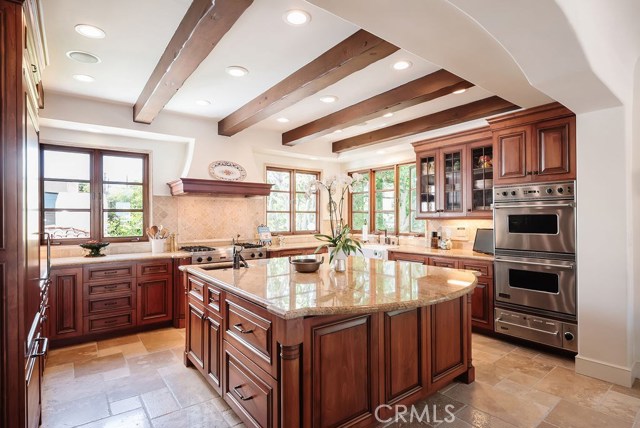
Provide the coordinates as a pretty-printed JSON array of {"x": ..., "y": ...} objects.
[{"x": 195, "y": 186}]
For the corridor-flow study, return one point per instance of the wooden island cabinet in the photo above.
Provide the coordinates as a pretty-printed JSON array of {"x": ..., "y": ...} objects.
[{"x": 288, "y": 349}]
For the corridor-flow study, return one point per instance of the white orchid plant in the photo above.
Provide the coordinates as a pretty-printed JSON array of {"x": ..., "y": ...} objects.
[{"x": 339, "y": 240}]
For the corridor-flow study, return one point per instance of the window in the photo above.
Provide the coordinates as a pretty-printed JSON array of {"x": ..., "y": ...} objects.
[
  {"x": 93, "y": 194},
  {"x": 289, "y": 208},
  {"x": 394, "y": 192}
]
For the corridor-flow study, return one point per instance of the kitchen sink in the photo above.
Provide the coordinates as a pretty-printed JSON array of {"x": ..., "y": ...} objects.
[{"x": 376, "y": 251}]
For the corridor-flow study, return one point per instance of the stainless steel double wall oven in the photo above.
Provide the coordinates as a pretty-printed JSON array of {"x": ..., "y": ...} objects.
[{"x": 535, "y": 263}]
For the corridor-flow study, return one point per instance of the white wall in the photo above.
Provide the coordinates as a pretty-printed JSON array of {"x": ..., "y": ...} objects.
[{"x": 635, "y": 179}]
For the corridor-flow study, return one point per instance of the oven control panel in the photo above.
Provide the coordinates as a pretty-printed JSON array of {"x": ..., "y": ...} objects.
[{"x": 539, "y": 191}]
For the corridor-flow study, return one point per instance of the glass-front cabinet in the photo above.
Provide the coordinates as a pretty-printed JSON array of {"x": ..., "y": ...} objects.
[{"x": 455, "y": 175}]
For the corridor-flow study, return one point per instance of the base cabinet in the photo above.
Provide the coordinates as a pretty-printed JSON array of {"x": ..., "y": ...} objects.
[
  {"x": 154, "y": 300},
  {"x": 330, "y": 371},
  {"x": 66, "y": 304}
]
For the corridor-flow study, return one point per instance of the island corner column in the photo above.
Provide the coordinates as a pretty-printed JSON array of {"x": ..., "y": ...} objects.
[
  {"x": 470, "y": 375},
  {"x": 291, "y": 336}
]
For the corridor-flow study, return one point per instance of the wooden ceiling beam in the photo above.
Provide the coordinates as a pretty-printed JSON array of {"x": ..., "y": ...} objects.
[
  {"x": 423, "y": 89},
  {"x": 202, "y": 27},
  {"x": 464, "y": 113},
  {"x": 352, "y": 54}
]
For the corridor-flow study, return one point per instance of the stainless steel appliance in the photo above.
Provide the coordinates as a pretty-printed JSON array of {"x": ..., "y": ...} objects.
[
  {"x": 535, "y": 265},
  {"x": 253, "y": 251},
  {"x": 201, "y": 254}
]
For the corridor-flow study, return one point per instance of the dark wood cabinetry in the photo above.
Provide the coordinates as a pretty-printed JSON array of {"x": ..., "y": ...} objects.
[
  {"x": 322, "y": 371},
  {"x": 535, "y": 145},
  {"x": 455, "y": 175},
  {"x": 482, "y": 296},
  {"x": 104, "y": 298},
  {"x": 272, "y": 254}
]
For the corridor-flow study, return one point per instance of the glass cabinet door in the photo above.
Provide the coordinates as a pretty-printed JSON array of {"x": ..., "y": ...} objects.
[
  {"x": 481, "y": 178},
  {"x": 427, "y": 185},
  {"x": 452, "y": 194}
]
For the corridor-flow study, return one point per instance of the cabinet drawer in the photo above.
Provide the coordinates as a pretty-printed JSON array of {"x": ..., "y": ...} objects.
[
  {"x": 102, "y": 272},
  {"x": 100, "y": 288},
  {"x": 485, "y": 269},
  {"x": 251, "y": 392},
  {"x": 443, "y": 262},
  {"x": 407, "y": 257},
  {"x": 156, "y": 267},
  {"x": 100, "y": 323},
  {"x": 214, "y": 296},
  {"x": 249, "y": 328},
  {"x": 196, "y": 288},
  {"x": 110, "y": 304}
]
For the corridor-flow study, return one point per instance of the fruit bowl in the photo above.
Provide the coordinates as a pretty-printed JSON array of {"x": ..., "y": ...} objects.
[{"x": 94, "y": 248}]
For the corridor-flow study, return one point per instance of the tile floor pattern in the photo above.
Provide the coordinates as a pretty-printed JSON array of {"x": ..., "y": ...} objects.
[{"x": 139, "y": 381}]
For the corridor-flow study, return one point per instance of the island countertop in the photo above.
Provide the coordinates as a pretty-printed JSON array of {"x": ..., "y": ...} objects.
[{"x": 368, "y": 285}]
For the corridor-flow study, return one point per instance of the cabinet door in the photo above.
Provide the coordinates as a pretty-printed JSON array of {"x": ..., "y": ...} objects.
[
  {"x": 213, "y": 351},
  {"x": 448, "y": 336},
  {"x": 482, "y": 304},
  {"x": 406, "y": 257},
  {"x": 195, "y": 332},
  {"x": 66, "y": 303},
  {"x": 427, "y": 183},
  {"x": 452, "y": 164},
  {"x": 154, "y": 300},
  {"x": 179, "y": 293},
  {"x": 553, "y": 150},
  {"x": 512, "y": 155},
  {"x": 443, "y": 262},
  {"x": 479, "y": 179}
]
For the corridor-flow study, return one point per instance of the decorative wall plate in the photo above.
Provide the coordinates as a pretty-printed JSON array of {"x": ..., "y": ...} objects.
[{"x": 227, "y": 170}]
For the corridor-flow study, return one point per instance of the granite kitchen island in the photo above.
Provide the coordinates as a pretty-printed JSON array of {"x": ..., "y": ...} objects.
[{"x": 328, "y": 349}]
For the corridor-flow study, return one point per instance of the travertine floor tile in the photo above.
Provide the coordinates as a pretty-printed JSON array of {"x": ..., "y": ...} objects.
[
  {"x": 128, "y": 350},
  {"x": 621, "y": 405},
  {"x": 118, "y": 341},
  {"x": 72, "y": 355},
  {"x": 160, "y": 402},
  {"x": 136, "y": 384},
  {"x": 524, "y": 365},
  {"x": 479, "y": 419},
  {"x": 159, "y": 340},
  {"x": 577, "y": 388},
  {"x": 125, "y": 405},
  {"x": 570, "y": 415},
  {"x": 189, "y": 387},
  {"x": 491, "y": 374},
  {"x": 201, "y": 415},
  {"x": 634, "y": 391},
  {"x": 153, "y": 360},
  {"x": 77, "y": 412},
  {"x": 132, "y": 419},
  {"x": 99, "y": 365}
]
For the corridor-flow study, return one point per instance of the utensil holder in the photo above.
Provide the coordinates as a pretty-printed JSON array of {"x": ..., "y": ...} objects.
[{"x": 158, "y": 245}]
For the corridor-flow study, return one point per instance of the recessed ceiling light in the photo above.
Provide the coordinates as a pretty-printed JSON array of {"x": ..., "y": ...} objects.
[
  {"x": 329, "y": 99},
  {"x": 402, "y": 65},
  {"x": 380, "y": 152},
  {"x": 282, "y": 120},
  {"x": 363, "y": 124},
  {"x": 337, "y": 131},
  {"x": 236, "y": 71},
  {"x": 85, "y": 78},
  {"x": 203, "y": 102},
  {"x": 297, "y": 17},
  {"x": 387, "y": 114},
  {"x": 84, "y": 57},
  {"x": 90, "y": 31},
  {"x": 460, "y": 91}
]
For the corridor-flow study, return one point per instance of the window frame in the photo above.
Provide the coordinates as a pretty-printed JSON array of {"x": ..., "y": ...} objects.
[
  {"x": 96, "y": 184},
  {"x": 292, "y": 200},
  {"x": 372, "y": 199}
]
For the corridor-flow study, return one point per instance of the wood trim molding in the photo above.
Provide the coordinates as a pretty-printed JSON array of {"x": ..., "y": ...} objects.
[
  {"x": 530, "y": 115},
  {"x": 463, "y": 137},
  {"x": 464, "y": 113},
  {"x": 352, "y": 54},
  {"x": 194, "y": 186},
  {"x": 202, "y": 27},
  {"x": 423, "y": 89}
]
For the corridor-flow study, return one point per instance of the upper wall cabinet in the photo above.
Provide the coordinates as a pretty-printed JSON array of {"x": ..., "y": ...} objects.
[
  {"x": 535, "y": 145},
  {"x": 455, "y": 175}
]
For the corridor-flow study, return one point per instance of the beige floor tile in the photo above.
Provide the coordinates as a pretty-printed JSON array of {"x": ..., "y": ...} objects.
[
  {"x": 189, "y": 387},
  {"x": 125, "y": 405},
  {"x": 159, "y": 340},
  {"x": 132, "y": 419},
  {"x": 136, "y": 384},
  {"x": 479, "y": 419},
  {"x": 507, "y": 385},
  {"x": 543, "y": 398},
  {"x": 59, "y": 373},
  {"x": 483, "y": 357},
  {"x": 128, "y": 350},
  {"x": 201, "y": 415},
  {"x": 546, "y": 425},
  {"x": 159, "y": 403},
  {"x": 491, "y": 374},
  {"x": 76, "y": 412},
  {"x": 570, "y": 415},
  {"x": 439, "y": 406},
  {"x": 153, "y": 360},
  {"x": 527, "y": 352},
  {"x": 525, "y": 365},
  {"x": 118, "y": 341},
  {"x": 57, "y": 392},
  {"x": 567, "y": 384},
  {"x": 73, "y": 354},
  {"x": 117, "y": 373},
  {"x": 503, "y": 405},
  {"x": 99, "y": 365},
  {"x": 621, "y": 405},
  {"x": 634, "y": 391},
  {"x": 556, "y": 360}
]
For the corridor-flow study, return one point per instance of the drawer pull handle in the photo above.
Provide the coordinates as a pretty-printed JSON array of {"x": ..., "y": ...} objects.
[
  {"x": 111, "y": 321},
  {"x": 109, "y": 272},
  {"x": 241, "y": 330},
  {"x": 110, "y": 303},
  {"x": 110, "y": 287},
  {"x": 45, "y": 348},
  {"x": 239, "y": 394}
]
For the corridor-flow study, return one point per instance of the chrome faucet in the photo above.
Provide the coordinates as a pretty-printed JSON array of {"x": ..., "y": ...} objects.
[
  {"x": 386, "y": 239},
  {"x": 238, "y": 260}
]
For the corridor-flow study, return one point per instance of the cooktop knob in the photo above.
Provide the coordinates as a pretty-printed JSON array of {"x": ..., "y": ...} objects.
[
  {"x": 549, "y": 190},
  {"x": 253, "y": 254},
  {"x": 568, "y": 335},
  {"x": 209, "y": 258},
  {"x": 560, "y": 190},
  {"x": 259, "y": 254},
  {"x": 513, "y": 193},
  {"x": 504, "y": 193},
  {"x": 199, "y": 259}
]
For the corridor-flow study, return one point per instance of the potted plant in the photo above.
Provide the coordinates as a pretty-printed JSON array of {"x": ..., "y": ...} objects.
[{"x": 340, "y": 244}]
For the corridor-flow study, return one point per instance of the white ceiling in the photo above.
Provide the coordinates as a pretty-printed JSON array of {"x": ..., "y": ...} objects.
[{"x": 260, "y": 41}]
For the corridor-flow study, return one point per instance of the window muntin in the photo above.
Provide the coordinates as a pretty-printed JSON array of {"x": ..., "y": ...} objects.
[{"x": 290, "y": 209}]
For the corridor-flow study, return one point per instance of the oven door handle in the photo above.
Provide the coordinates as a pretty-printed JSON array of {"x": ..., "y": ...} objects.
[
  {"x": 567, "y": 205},
  {"x": 552, "y": 265},
  {"x": 500, "y": 320}
]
